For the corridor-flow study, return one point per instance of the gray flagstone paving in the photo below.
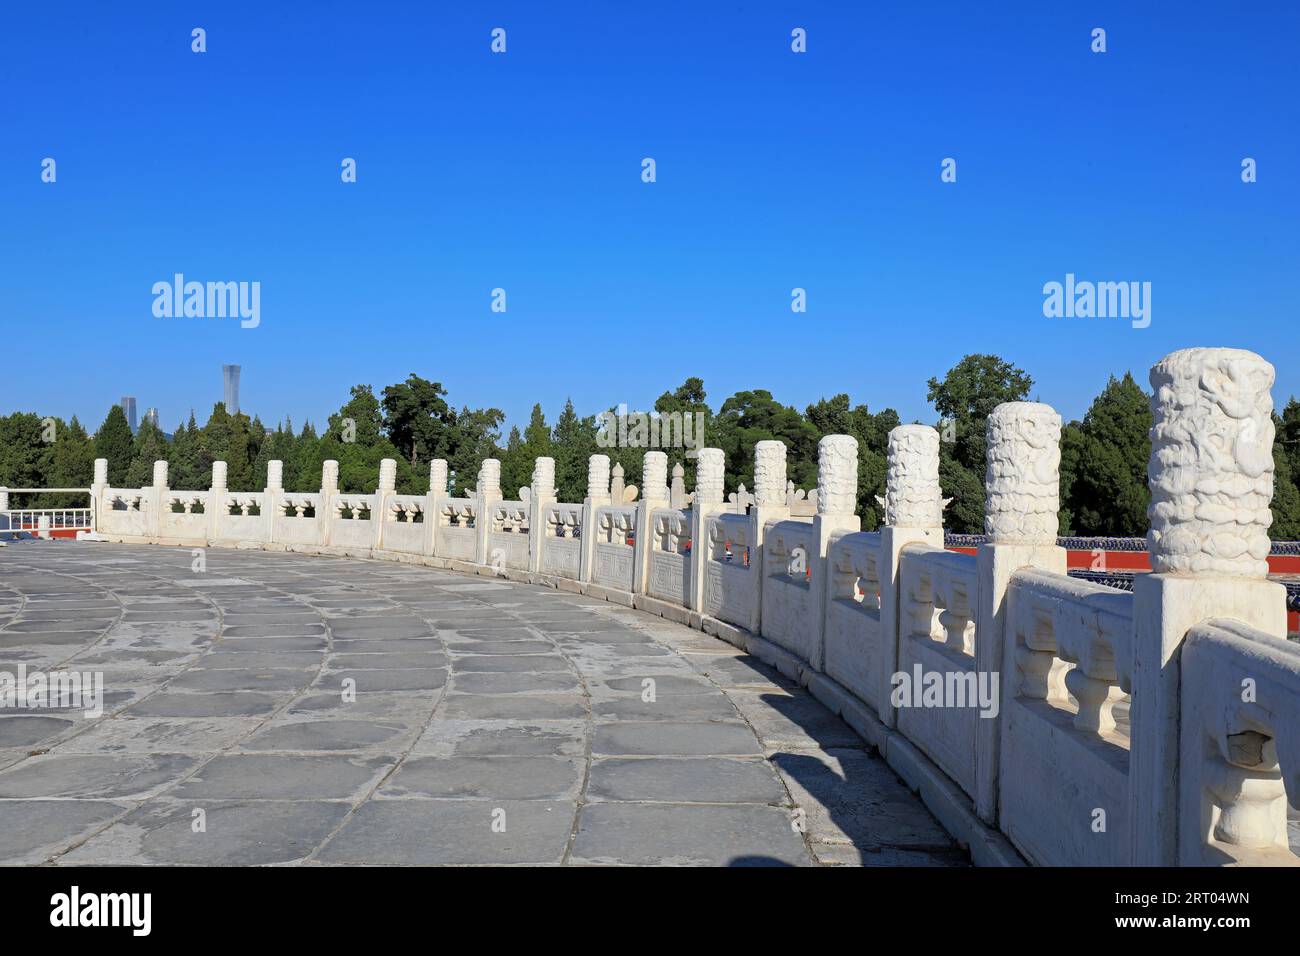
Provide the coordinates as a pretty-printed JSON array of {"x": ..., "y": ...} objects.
[{"x": 284, "y": 708}]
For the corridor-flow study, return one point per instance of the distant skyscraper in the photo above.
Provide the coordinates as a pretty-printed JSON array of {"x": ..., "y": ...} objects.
[
  {"x": 128, "y": 408},
  {"x": 151, "y": 416},
  {"x": 231, "y": 375}
]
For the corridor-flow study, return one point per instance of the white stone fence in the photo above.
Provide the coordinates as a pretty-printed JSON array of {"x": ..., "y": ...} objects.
[{"x": 1041, "y": 717}]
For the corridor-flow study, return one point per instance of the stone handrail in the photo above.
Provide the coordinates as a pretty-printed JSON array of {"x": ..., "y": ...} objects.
[
  {"x": 1068, "y": 657},
  {"x": 1241, "y": 745},
  {"x": 993, "y": 683}
]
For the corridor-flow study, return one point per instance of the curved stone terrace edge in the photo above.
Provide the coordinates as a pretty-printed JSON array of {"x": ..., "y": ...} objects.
[{"x": 495, "y": 721}]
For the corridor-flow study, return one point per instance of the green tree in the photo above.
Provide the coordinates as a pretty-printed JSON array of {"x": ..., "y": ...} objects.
[
  {"x": 229, "y": 438},
  {"x": 1104, "y": 476},
  {"x": 191, "y": 463},
  {"x": 355, "y": 439},
  {"x": 25, "y": 455},
  {"x": 417, "y": 419},
  {"x": 522, "y": 450},
  {"x": 149, "y": 446},
  {"x": 574, "y": 441},
  {"x": 72, "y": 464},
  {"x": 305, "y": 461},
  {"x": 964, "y": 398},
  {"x": 835, "y": 416},
  {"x": 114, "y": 442},
  {"x": 1286, "y": 494},
  {"x": 688, "y": 399},
  {"x": 749, "y": 417}
]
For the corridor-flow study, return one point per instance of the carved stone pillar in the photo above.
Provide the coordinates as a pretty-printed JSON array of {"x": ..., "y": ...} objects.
[
  {"x": 272, "y": 498},
  {"x": 1211, "y": 478},
  {"x": 541, "y": 494},
  {"x": 710, "y": 498},
  {"x": 913, "y": 514},
  {"x": 616, "y": 484},
  {"x": 769, "y": 474},
  {"x": 1022, "y": 478},
  {"x": 433, "y": 505},
  {"x": 216, "y": 507},
  {"x": 837, "y": 502},
  {"x": 329, "y": 489},
  {"x": 1022, "y": 502},
  {"x": 770, "y": 504},
  {"x": 488, "y": 493},
  {"x": 387, "y": 487},
  {"x": 597, "y": 495},
  {"x": 912, "y": 495},
  {"x": 654, "y": 494},
  {"x": 98, "y": 495},
  {"x": 677, "y": 495}
]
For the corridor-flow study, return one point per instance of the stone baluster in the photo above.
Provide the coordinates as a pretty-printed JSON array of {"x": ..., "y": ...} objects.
[
  {"x": 677, "y": 495},
  {"x": 159, "y": 496},
  {"x": 434, "y": 503},
  {"x": 770, "y": 505},
  {"x": 541, "y": 494},
  {"x": 487, "y": 493},
  {"x": 99, "y": 503},
  {"x": 1211, "y": 479},
  {"x": 383, "y": 493},
  {"x": 913, "y": 514},
  {"x": 616, "y": 484},
  {"x": 273, "y": 497},
  {"x": 218, "y": 508},
  {"x": 329, "y": 491},
  {"x": 654, "y": 494},
  {"x": 1021, "y": 519},
  {"x": 837, "y": 501},
  {"x": 597, "y": 496},
  {"x": 709, "y": 499}
]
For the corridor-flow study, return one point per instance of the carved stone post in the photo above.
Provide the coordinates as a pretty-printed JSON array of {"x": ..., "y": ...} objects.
[
  {"x": 541, "y": 492},
  {"x": 1022, "y": 502},
  {"x": 216, "y": 507},
  {"x": 329, "y": 489},
  {"x": 434, "y": 503},
  {"x": 913, "y": 506},
  {"x": 385, "y": 491},
  {"x": 654, "y": 494},
  {"x": 487, "y": 492},
  {"x": 1211, "y": 478},
  {"x": 677, "y": 495},
  {"x": 837, "y": 502},
  {"x": 98, "y": 495},
  {"x": 597, "y": 496},
  {"x": 710, "y": 499},
  {"x": 616, "y": 484},
  {"x": 770, "y": 505},
  {"x": 273, "y": 497},
  {"x": 157, "y": 497}
]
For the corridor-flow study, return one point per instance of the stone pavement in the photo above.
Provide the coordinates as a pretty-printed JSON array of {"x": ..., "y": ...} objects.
[{"x": 480, "y": 706}]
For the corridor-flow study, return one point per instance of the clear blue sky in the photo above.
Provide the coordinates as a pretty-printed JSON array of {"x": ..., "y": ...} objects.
[{"x": 522, "y": 171}]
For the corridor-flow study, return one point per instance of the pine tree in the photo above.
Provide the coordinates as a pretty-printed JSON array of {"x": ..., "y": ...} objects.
[
  {"x": 574, "y": 440},
  {"x": 964, "y": 399},
  {"x": 114, "y": 442},
  {"x": 1108, "y": 493},
  {"x": 148, "y": 447}
]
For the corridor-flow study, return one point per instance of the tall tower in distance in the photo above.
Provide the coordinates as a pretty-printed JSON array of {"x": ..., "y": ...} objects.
[
  {"x": 230, "y": 374},
  {"x": 128, "y": 408}
]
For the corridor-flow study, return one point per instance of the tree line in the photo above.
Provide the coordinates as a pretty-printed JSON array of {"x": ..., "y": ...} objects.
[{"x": 1103, "y": 456}]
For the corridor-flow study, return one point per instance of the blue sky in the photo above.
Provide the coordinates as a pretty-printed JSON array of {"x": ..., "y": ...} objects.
[{"x": 523, "y": 171}]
